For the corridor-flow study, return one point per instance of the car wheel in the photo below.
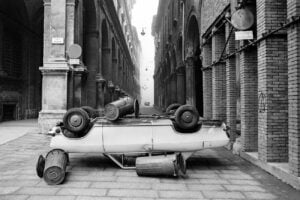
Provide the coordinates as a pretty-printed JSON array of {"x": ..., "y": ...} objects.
[
  {"x": 40, "y": 166},
  {"x": 186, "y": 117},
  {"x": 171, "y": 109},
  {"x": 90, "y": 111},
  {"x": 76, "y": 120}
]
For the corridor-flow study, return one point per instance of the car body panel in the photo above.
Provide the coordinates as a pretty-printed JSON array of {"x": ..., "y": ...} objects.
[{"x": 143, "y": 135}]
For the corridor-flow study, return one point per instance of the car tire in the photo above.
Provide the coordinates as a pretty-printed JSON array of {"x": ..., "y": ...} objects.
[
  {"x": 186, "y": 117},
  {"x": 40, "y": 166},
  {"x": 76, "y": 120},
  {"x": 171, "y": 109}
]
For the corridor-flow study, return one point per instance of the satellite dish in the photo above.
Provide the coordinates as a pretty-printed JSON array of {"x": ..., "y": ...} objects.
[
  {"x": 242, "y": 19},
  {"x": 74, "y": 51}
]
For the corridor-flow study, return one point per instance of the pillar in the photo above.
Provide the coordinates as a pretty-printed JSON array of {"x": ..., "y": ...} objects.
[
  {"x": 231, "y": 84},
  {"x": 181, "y": 85},
  {"x": 173, "y": 88},
  {"x": 190, "y": 81},
  {"x": 55, "y": 67},
  {"x": 207, "y": 80},
  {"x": 249, "y": 103},
  {"x": 79, "y": 75},
  {"x": 101, "y": 84},
  {"x": 218, "y": 77},
  {"x": 272, "y": 83},
  {"x": 294, "y": 88}
]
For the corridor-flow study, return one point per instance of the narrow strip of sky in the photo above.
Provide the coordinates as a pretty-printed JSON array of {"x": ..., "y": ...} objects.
[{"x": 142, "y": 16}]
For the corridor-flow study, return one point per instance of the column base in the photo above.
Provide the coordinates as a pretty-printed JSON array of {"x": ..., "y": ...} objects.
[{"x": 48, "y": 119}]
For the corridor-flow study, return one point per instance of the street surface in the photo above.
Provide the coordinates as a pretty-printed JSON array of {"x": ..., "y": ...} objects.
[{"x": 212, "y": 174}]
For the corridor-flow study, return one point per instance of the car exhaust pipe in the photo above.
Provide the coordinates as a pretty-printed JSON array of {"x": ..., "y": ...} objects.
[{"x": 164, "y": 165}]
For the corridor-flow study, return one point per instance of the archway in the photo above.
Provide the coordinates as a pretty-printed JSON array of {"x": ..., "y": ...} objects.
[
  {"x": 21, "y": 55},
  {"x": 193, "y": 44}
]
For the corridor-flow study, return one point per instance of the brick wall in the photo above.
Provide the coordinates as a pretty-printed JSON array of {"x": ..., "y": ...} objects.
[
  {"x": 218, "y": 77},
  {"x": 272, "y": 83},
  {"x": 231, "y": 89},
  {"x": 210, "y": 11},
  {"x": 294, "y": 89},
  {"x": 248, "y": 78},
  {"x": 207, "y": 80},
  {"x": 207, "y": 93}
]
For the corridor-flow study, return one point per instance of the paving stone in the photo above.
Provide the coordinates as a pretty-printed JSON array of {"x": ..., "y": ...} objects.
[
  {"x": 138, "y": 179},
  {"x": 132, "y": 193},
  {"x": 19, "y": 183},
  {"x": 259, "y": 195},
  {"x": 206, "y": 176},
  {"x": 46, "y": 197},
  {"x": 244, "y": 182},
  {"x": 8, "y": 190},
  {"x": 38, "y": 190},
  {"x": 115, "y": 185},
  {"x": 96, "y": 198},
  {"x": 14, "y": 197},
  {"x": 91, "y": 178},
  {"x": 72, "y": 184},
  {"x": 204, "y": 187},
  {"x": 213, "y": 181},
  {"x": 126, "y": 173},
  {"x": 180, "y": 194},
  {"x": 169, "y": 186},
  {"x": 244, "y": 188},
  {"x": 231, "y": 176},
  {"x": 223, "y": 195},
  {"x": 83, "y": 192}
]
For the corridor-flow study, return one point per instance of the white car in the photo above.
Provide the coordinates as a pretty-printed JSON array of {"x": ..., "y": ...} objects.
[{"x": 161, "y": 144}]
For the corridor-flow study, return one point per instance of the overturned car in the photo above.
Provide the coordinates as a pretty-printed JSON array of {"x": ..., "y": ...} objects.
[{"x": 161, "y": 144}]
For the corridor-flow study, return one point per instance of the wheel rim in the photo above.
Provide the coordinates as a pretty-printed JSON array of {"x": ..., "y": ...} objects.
[
  {"x": 75, "y": 120},
  {"x": 187, "y": 117}
]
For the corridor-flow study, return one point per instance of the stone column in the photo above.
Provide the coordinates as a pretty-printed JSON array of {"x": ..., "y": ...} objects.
[
  {"x": 79, "y": 73},
  {"x": 111, "y": 90},
  {"x": 181, "y": 85},
  {"x": 55, "y": 68},
  {"x": 272, "y": 83},
  {"x": 101, "y": 84},
  {"x": 294, "y": 88},
  {"x": 173, "y": 88},
  {"x": 92, "y": 64},
  {"x": 190, "y": 81},
  {"x": 231, "y": 98},
  {"x": 218, "y": 77}
]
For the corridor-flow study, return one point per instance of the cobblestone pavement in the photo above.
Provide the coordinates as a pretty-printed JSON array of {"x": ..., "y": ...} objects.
[{"x": 212, "y": 174}]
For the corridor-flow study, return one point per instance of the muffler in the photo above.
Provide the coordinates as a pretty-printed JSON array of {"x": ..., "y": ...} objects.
[{"x": 164, "y": 165}]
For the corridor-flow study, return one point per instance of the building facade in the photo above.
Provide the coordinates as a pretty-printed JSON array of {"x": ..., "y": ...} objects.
[
  {"x": 252, "y": 85},
  {"x": 40, "y": 77}
]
